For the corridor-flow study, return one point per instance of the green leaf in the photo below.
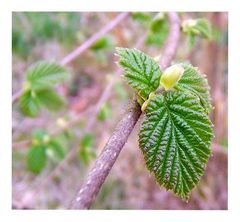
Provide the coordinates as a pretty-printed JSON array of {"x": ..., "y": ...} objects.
[
  {"x": 194, "y": 82},
  {"x": 105, "y": 112},
  {"x": 86, "y": 153},
  {"x": 29, "y": 104},
  {"x": 158, "y": 32},
  {"x": 198, "y": 27},
  {"x": 43, "y": 74},
  {"x": 103, "y": 43},
  {"x": 142, "y": 17},
  {"x": 175, "y": 138},
  {"x": 36, "y": 159},
  {"x": 87, "y": 140},
  {"x": 140, "y": 70},
  {"x": 56, "y": 149},
  {"x": 49, "y": 99}
]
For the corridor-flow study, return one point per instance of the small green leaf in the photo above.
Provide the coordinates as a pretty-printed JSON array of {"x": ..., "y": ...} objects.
[
  {"x": 87, "y": 140},
  {"x": 175, "y": 138},
  {"x": 158, "y": 32},
  {"x": 43, "y": 74},
  {"x": 105, "y": 112},
  {"x": 29, "y": 104},
  {"x": 194, "y": 82},
  {"x": 36, "y": 159},
  {"x": 142, "y": 17},
  {"x": 197, "y": 27},
  {"x": 86, "y": 152},
  {"x": 140, "y": 70},
  {"x": 50, "y": 99},
  {"x": 56, "y": 149},
  {"x": 103, "y": 43}
]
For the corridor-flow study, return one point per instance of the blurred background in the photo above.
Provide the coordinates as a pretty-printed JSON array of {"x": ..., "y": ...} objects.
[{"x": 79, "y": 131}]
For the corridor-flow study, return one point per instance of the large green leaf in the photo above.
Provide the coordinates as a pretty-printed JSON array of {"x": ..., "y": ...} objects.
[
  {"x": 36, "y": 158},
  {"x": 175, "y": 138},
  {"x": 43, "y": 74},
  {"x": 140, "y": 70},
  {"x": 194, "y": 82}
]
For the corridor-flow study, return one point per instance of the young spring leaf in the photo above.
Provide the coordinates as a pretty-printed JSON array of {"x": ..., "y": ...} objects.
[
  {"x": 56, "y": 148},
  {"x": 197, "y": 27},
  {"x": 194, "y": 82},
  {"x": 175, "y": 137},
  {"x": 32, "y": 101},
  {"x": 50, "y": 99},
  {"x": 158, "y": 31},
  {"x": 43, "y": 74},
  {"x": 140, "y": 70},
  {"x": 29, "y": 104},
  {"x": 36, "y": 158}
]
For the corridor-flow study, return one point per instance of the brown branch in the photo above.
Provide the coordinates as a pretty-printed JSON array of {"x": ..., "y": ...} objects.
[
  {"x": 107, "y": 158},
  {"x": 84, "y": 46}
]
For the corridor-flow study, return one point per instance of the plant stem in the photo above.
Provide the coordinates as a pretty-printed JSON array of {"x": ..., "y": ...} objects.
[{"x": 108, "y": 156}]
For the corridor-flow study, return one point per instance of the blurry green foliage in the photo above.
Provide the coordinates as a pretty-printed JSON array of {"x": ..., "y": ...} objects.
[
  {"x": 36, "y": 158},
  {"x": 105, "y": 112},
  {"x": 197, "y": 27},
  {"x": 30, "y": 28},
  {"x": 157, "y": 27},
  {"x": 56, "y": 150},
  {"x": 38, "y": 88},
  {"x": 158, "y": 30},
  {"x": 120, "y": 90},
  {"x": 86, "y": 152},
  {"x": 142, "y": 17},
  {"x": 105, "y": 42},
  {"x": 44, "y": 148}
]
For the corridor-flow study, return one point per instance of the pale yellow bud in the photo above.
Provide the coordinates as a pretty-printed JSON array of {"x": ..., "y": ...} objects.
[{"x": 171, "y": 76}]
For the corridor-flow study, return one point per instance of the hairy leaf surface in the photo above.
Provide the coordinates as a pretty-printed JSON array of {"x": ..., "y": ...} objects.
[
  {"x": 194, "y": 82},
  {"x": 43, "y": 74},
  {"x": 175, "y": 138},
  {"x": 140, "y": 70}
]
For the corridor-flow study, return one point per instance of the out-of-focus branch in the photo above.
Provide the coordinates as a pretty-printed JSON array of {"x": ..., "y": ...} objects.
[
  {"x": 107, "y": 158},
  {"x": 88, "y": 43}
]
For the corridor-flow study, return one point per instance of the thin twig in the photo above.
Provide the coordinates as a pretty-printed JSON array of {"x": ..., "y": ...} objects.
[
  {"x": 107, "y": 158},
  {"x": 84, "y": 46}
]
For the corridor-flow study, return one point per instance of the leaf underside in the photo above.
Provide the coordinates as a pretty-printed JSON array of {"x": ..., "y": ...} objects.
[
  {"x": 175, "y": 138},
  {"x": 194, "y": 82},
  {"x": 140, "y": 70}
]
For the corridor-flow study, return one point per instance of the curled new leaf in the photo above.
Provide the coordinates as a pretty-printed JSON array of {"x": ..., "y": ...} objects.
[
  {"x": 175, "y": 138},
  {"x": 140, "y": 70}
]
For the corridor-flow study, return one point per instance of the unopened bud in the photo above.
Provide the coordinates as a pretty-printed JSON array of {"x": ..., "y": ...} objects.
[{"x": 171, "y": 76}]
